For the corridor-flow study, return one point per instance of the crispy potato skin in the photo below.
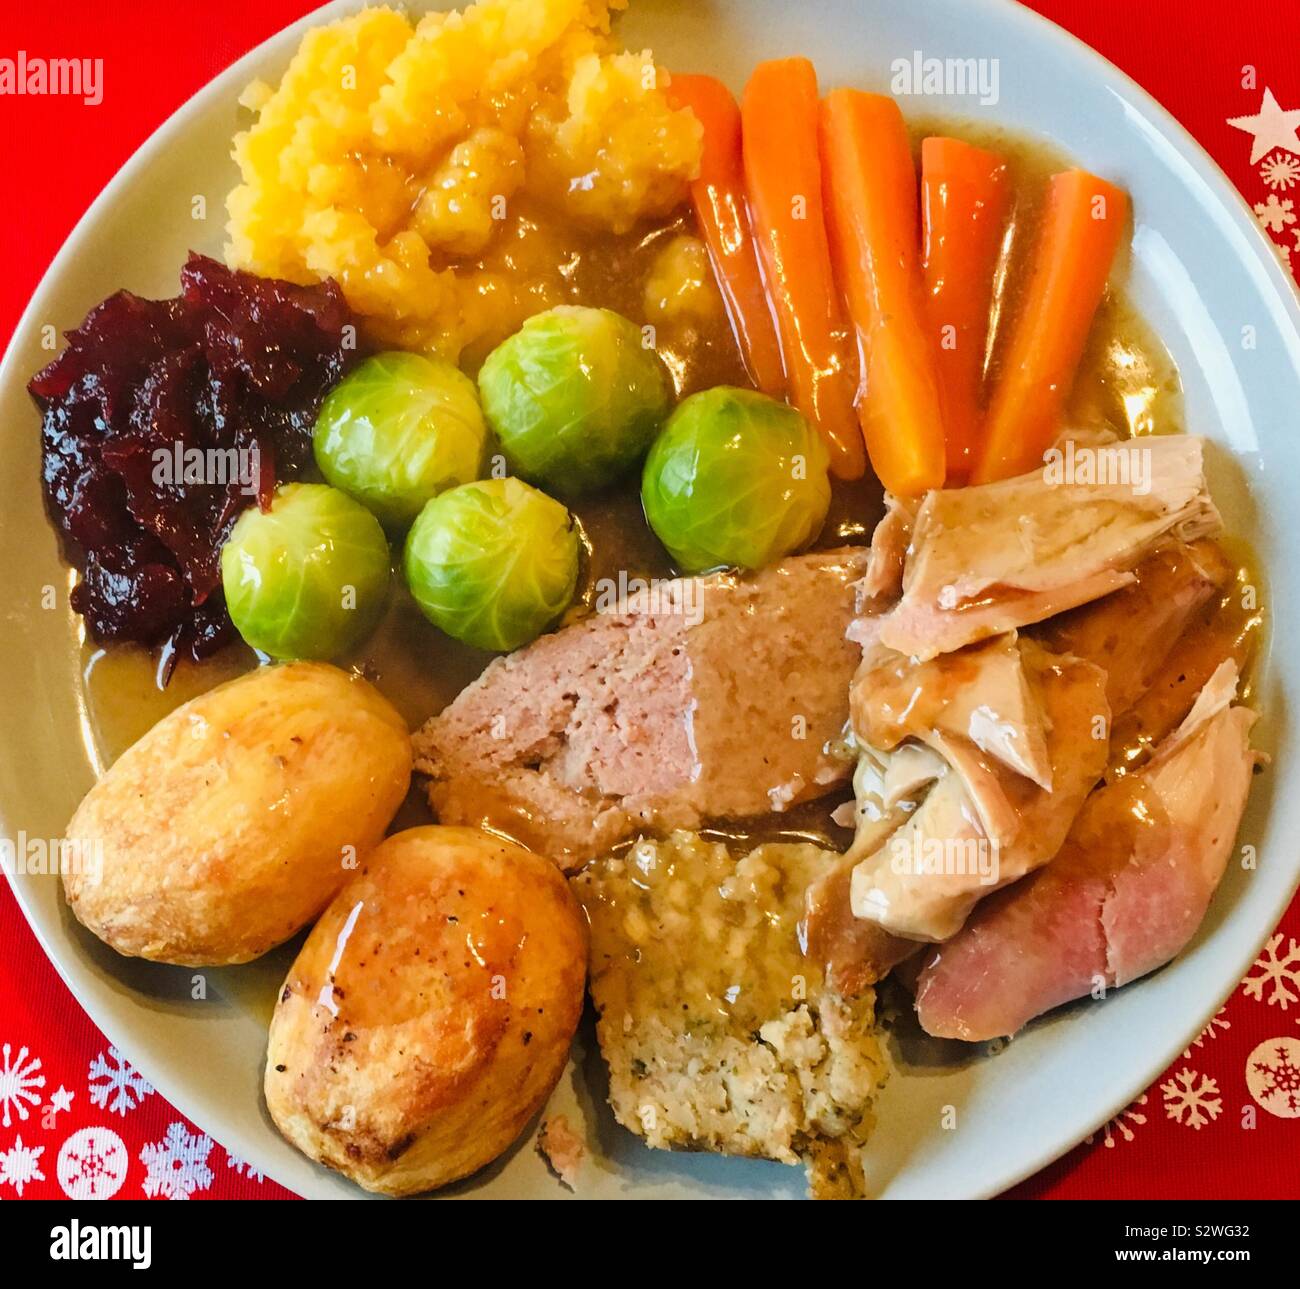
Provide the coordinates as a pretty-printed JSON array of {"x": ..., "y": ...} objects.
[
  {"x": 225, "y": 829},
  {"x": 430, "y": 1012}
]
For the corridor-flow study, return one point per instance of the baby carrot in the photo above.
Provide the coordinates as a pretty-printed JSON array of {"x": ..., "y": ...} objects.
[
  {"x": 783, "y": 179},
  {"x": 965, "y": 197},
  {"x": 871, "y": 195},
  {"x": 718, "y": 196},
  {"x": 1082, "y": 227}
]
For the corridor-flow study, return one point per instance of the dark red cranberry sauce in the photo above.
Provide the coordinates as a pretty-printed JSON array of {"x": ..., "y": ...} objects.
[{"x": 161, "y": 421}]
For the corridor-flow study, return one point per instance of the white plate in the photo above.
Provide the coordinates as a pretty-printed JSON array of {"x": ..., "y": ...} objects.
[{"x": 1202, "y": 272}]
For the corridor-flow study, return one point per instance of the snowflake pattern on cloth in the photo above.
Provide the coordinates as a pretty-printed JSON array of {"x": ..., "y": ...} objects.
[
  {"x": 1122, "y": 1126},
  {"x": 1213, "y": 1026},
  {"x": 1281, "y": 170},
  {"x": 1275, "y": 144},
  {"x": 20, "y": 1165},
  {"x": 20, "y": 1076},
  {"x": 1273, "y": 1076},
  {"x": 1275, "y": 214},
  {"x": 177, "y": 1166},
  {"x": 1192, "y": 1099},
  {"x": 92, "y": 1164},
  {"x": 1278, "y": 973},
  {"x": 244, "y": 1169},
  {"x": 114, "y": 1085}
]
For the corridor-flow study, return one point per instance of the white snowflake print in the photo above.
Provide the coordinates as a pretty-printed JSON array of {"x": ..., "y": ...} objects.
[
  {"x": 1121, "y": 1127},
  {"x": 177, "y": 1166},
  {"x": 116, "y": 1086},
  {"x": 92, "y": 1164},
  {"x": 1281, "y": 170},
  {"x": 19, "y": 1079},
  {"x": 1273, "y": 1076},
  {"x": 1192, "y": 1099},
  {"x": 21, "y": 1164},
  {"x": 1275, "y": 214},
  {"x": 1278, "y": 973},
  {"x": 244, "y": 1168},
  {"x": 1211, "y": 1030}
]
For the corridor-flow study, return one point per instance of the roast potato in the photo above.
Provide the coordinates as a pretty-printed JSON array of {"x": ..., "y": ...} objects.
[
  {"x": 233, "y": 821},
  {"x": 430, "y": 1011}
]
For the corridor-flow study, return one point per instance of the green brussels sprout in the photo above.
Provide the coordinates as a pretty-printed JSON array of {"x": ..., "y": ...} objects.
[
  {"x": 399, "y": 430},
  {"x": 736, "y": 479},
  {"x": 492, "y": 563},
  {"x": 309, "y": 577},
  {"x": 575, "y": 398}
]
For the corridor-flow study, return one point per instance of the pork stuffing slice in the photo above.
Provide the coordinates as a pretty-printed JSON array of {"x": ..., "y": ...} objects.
[
  {"x": 1126, "y": 893},
  {"x": 989, "y": 559},
  {"x": 700, "y": 698}
]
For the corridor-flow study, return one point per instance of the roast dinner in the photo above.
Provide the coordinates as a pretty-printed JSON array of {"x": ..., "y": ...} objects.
[{"x": 599, "y": 543}]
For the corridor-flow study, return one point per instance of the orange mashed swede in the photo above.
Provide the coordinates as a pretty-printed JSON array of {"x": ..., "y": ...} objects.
[{"x": 392, "y": 158}]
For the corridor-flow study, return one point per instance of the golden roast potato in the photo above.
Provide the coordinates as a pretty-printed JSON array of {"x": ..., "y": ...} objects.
[
  {"x": 430, "y": 1011},
  {"x": 233, "y": 821}
]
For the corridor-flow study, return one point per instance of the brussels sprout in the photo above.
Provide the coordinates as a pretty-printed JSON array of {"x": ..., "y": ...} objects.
[
  {"x": 309, "y": 577},
  {"x": 574, "y": 397},
  {"x": 399, "y": 430},
  {"x": 735, "y": 479},
  {"x": 492, "y": 563}
]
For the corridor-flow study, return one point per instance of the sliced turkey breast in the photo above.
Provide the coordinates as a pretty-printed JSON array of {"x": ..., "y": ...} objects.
[
  {"x": 982, "y": 693},
  {"x": 883, "y": 579},
  {"x": 1130, "y": 633},
  {"x": 988, "y": 559},
  {"x": 982, "y": 825}
]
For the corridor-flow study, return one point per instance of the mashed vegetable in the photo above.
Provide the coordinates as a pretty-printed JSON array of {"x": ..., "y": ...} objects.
[
  {"x": 395, "y": 159},
  {"x": 680, "y": 286}
]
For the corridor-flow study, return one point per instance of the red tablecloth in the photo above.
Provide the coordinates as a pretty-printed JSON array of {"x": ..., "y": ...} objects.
[{"x": 1224, "y": 1119}]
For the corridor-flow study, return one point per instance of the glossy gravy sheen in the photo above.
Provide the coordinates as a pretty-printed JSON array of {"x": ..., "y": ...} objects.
[{"x": 1127, "y": 381}]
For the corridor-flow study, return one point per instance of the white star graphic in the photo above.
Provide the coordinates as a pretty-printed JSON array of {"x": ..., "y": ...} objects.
[
  {"x": 1270, "y": 127},
  {"x": 62, "y": 1099}
]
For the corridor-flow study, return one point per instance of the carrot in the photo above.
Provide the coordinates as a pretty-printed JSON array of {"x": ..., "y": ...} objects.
[
  {"x": 718, "y": 196},
  {"x": 783, "y": 179},
  {"x": 1082, "y": 227},
  {"x": 871, "y": 195},
  {"x": 965, "y": 197}
]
